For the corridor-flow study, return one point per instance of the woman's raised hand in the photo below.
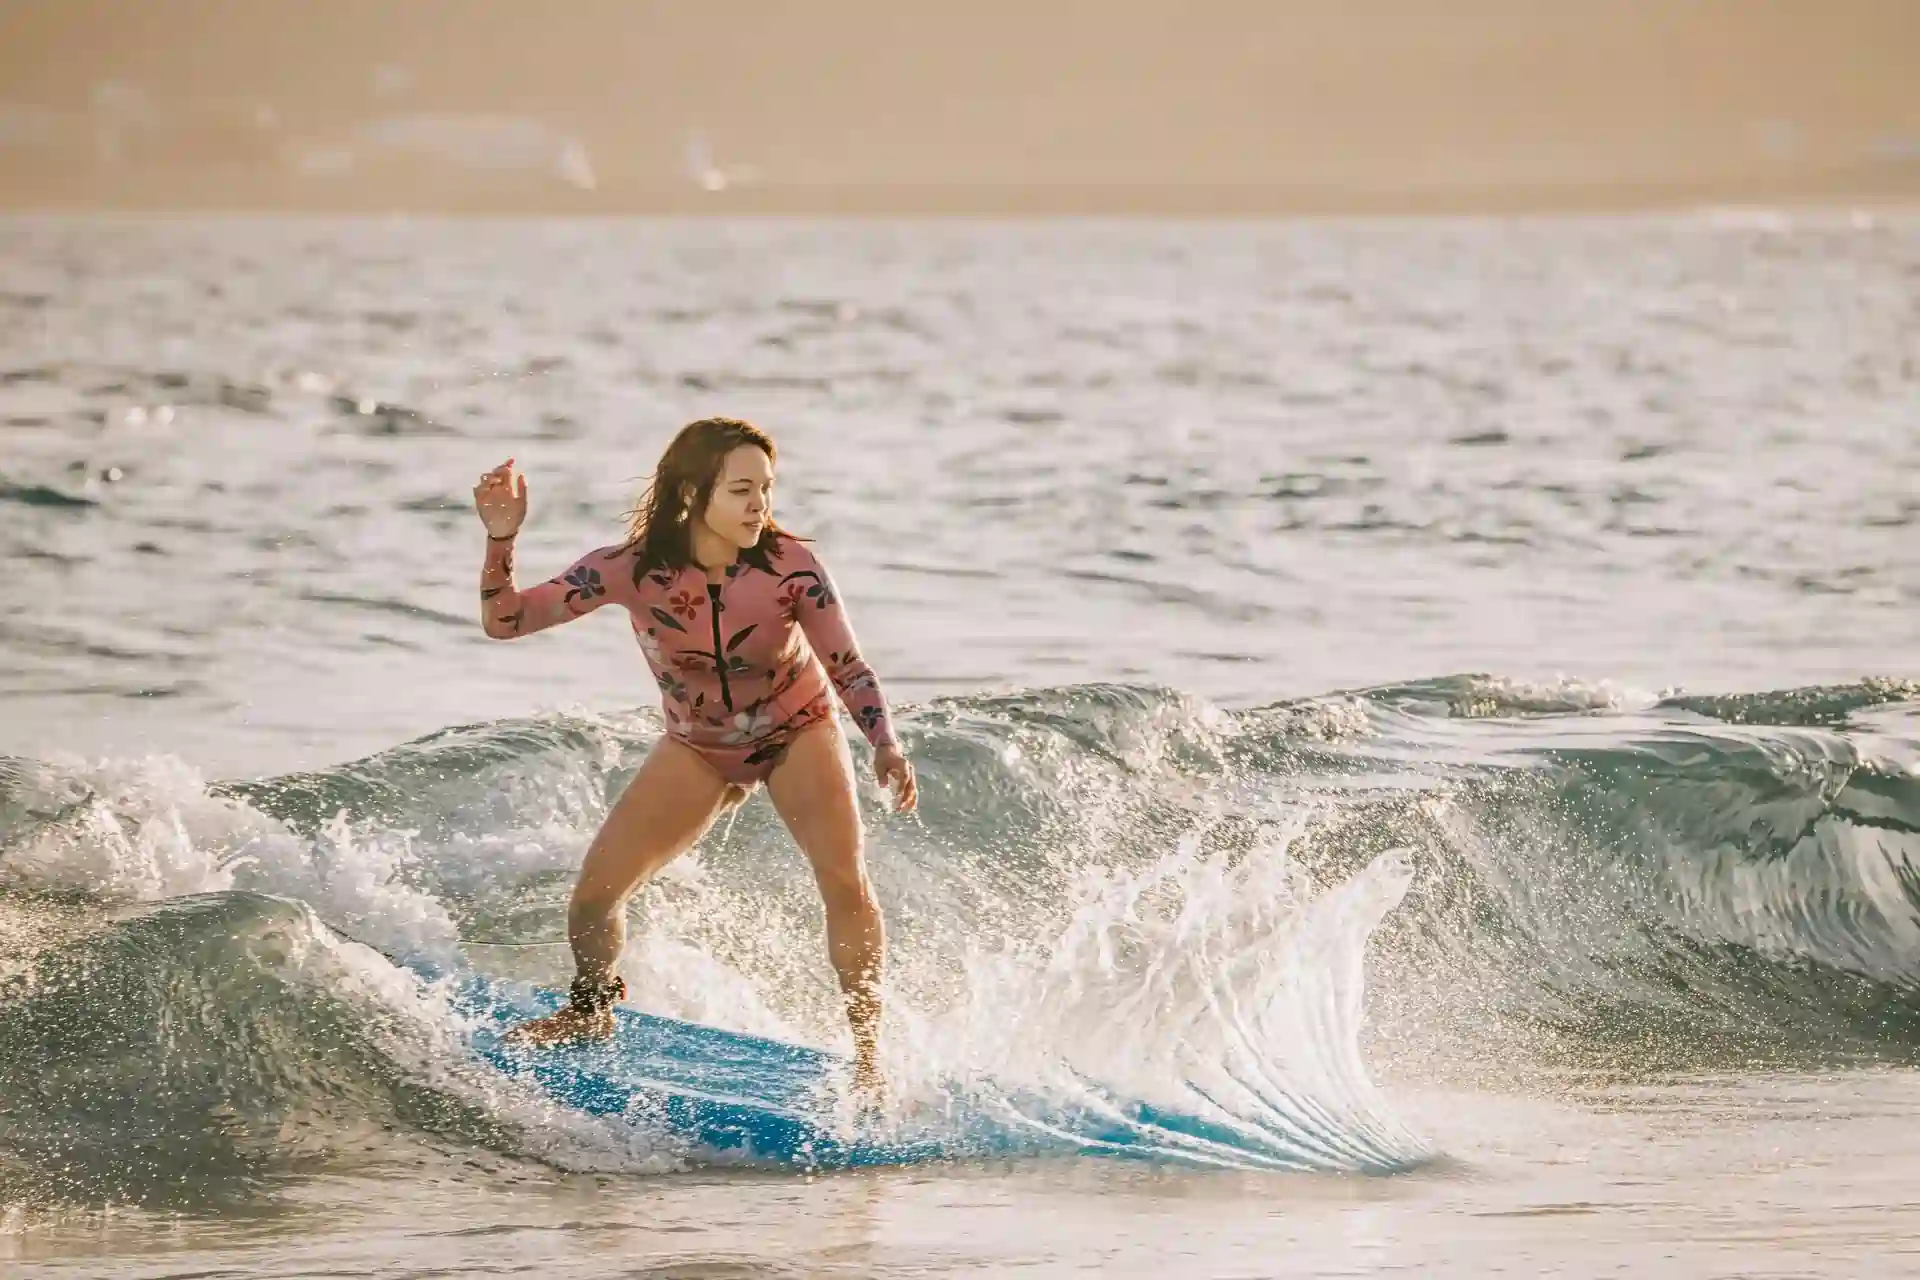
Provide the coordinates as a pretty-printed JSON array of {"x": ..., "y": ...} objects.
[
  {"x": 891, "y": 768},
  {"x": 501, "y": 500}
]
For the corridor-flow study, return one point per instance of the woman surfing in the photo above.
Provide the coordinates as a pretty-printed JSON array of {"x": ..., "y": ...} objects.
[{"x": 748, "y": 641}]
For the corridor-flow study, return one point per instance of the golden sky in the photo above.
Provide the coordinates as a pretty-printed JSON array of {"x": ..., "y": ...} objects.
[{"x": 1046, "y": 105}]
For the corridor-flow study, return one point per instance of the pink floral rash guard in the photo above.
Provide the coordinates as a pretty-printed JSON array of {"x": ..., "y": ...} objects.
[{"x": 742, "y": 662}]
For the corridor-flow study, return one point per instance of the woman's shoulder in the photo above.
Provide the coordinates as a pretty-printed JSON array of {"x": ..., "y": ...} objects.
[
  {"x": 617, "y": 557},
  {"x": 622, "y": 567},
  {"x": 789, "y": 553},
  {"x": 647, "y": 574}
]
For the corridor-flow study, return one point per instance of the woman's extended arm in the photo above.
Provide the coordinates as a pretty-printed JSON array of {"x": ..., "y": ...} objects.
[{"x": 507, "y": 612}]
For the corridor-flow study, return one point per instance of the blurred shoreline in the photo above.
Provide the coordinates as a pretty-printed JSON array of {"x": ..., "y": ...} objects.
[
  {"x": 854, "y": 107},
  {"x": 1201, "y": 205}
]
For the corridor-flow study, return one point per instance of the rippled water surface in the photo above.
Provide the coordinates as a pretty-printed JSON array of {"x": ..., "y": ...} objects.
[{"x": 1439, "y": 691}]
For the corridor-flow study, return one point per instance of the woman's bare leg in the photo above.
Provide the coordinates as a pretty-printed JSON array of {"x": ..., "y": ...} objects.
[
  {"x": 667, "y": 807},
  {"x": 812, "y": 788}
]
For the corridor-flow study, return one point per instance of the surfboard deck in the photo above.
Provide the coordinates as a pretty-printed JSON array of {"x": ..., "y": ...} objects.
[
  {"x": 736, "y": 1098},
  {"x": 731, "y": 1095}
]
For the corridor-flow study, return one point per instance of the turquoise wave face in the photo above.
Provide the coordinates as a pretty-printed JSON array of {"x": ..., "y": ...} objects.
[{"x": 1210, "y": 931}]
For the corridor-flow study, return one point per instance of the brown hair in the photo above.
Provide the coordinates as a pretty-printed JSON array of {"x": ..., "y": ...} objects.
[{"x": 658, "y": 522}]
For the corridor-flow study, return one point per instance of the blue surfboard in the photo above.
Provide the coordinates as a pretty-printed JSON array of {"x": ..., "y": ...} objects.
[{"x": 736, "y": 1098}]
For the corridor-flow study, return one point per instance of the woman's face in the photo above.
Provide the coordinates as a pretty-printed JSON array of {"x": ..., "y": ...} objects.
[{"x": 742, "y": 499}]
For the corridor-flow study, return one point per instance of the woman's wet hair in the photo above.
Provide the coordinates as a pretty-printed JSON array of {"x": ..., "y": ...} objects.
[{"x": 682, "y": 484}]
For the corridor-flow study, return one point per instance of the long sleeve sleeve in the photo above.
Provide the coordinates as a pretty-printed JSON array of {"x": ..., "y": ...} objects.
[
  {"x": 829, "y": 631},
  {"x": 507, "y": 613}
]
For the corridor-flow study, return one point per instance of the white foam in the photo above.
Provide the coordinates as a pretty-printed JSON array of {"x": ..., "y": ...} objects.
[
  {"x": 1220, "y": 986},
  {"x": 1227, "y": 988},
  {"x": 146, "y": 829},
  {"x": 428, "y": 1042}
]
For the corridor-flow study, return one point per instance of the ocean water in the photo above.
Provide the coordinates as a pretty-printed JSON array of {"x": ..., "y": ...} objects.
[{"x": 1445, "y": 691}]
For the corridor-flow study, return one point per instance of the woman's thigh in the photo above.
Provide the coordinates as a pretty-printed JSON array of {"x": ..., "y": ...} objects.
[
  {"x": 667, "y": 806},
  {"x": 812, "y": 789}
]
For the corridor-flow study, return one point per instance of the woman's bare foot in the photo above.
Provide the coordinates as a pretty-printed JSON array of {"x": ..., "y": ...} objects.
[
  {"x": 569, "y": 1026},
  {"x": 587, "y": 1018}
]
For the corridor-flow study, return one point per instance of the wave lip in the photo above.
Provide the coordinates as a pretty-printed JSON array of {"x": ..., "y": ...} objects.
[
  {"x": 1828, "y": 705},
  {"x": 1133, "y": 919}
]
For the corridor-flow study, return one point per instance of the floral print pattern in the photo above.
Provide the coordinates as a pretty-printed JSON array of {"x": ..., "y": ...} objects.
[
  {"x": 814, "y": 586},
  {"x": 793, "y": 645},
  {"x": 585, "y": 583},
  {"x": 747, "y": 726}
]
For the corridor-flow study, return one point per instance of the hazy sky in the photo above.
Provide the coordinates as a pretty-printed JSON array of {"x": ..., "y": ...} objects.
[{"x": 995, "y": 103}]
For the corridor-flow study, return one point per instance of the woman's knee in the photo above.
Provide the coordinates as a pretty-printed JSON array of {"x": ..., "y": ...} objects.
[
  {"x": 847, "y": 892},
  {"x": 594, "y": 899}
]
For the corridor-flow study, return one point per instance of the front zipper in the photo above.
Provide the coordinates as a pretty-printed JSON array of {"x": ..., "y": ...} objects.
[{"x": 719, "y": 658}]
